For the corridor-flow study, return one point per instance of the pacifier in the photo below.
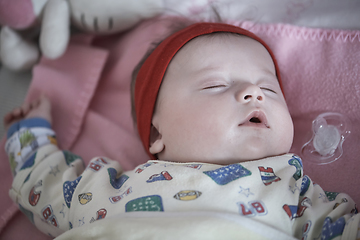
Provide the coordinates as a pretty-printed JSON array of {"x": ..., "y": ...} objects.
[{"x": 329, "y": 133}]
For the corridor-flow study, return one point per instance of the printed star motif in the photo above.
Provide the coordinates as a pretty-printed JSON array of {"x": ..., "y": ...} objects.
[
  {"x": 62, "y": 210},
  {"x": 54, "y": 170},
  {"x": 164, "y": 164},
  {"x": 245, "y": 191},
  {"x": 81, "y": 222},
  {"x": 293, "y": 189},
  {"x": 323, "y": 197}
]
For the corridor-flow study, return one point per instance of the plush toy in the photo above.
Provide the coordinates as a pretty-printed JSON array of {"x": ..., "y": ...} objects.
[{"x": 26, "y": 22}]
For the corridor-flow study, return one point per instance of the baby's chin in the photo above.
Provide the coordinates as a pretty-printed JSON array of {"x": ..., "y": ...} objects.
[{"x": 225, "y": 160}]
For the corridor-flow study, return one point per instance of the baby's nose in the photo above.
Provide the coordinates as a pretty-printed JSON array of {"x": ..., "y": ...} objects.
[{"x": 251, "y": 93}]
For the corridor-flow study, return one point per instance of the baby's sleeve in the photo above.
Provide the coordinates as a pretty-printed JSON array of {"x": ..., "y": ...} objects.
[
  {"x": 40, "y": 170},
  {"x": 24, "y": 138}
]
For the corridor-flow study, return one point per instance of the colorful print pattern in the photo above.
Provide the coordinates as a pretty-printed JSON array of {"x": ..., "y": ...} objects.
[{"x": 277, "y": 194}]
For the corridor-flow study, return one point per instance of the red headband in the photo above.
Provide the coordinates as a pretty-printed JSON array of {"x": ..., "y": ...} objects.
[{"x": 151, "y": 73}]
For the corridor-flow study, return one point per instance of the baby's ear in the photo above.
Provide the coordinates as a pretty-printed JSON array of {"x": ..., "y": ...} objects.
[{"x": 156, "y": 142}]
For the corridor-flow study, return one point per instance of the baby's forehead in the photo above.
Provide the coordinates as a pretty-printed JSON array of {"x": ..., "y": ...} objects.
[
  {"x": 202, "y": 48},
  {"x": 221, "y": 36},
  {"x": 230, "y": 40}
]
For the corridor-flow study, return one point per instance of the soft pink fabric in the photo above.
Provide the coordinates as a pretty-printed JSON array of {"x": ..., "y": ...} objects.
[
  {"x": 17, "y": 14},
  {"x": 89, "y": 88}
]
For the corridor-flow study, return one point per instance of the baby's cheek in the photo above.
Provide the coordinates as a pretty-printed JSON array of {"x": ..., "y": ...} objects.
[{"x": 287, "y": 133}]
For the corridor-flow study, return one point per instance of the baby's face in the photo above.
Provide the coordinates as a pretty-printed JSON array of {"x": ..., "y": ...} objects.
[{"x": 220, "y": 102}]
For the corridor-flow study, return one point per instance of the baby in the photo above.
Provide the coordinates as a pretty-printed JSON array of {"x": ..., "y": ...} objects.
[{"x": 209, "y": 104}]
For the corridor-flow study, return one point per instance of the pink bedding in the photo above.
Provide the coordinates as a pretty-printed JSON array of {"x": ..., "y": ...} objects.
[{"x": 89, "y": 89}]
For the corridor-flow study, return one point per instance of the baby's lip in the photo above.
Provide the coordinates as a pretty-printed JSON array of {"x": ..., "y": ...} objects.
[{"x": 256, "y": 118}]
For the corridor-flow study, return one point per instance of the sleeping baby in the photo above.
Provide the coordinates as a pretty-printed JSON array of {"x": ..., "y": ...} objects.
[{"x": 211, "y": 114}]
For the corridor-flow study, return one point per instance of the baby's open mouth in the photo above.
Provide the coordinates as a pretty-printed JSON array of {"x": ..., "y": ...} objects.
[{"x": 256, "y": 119}]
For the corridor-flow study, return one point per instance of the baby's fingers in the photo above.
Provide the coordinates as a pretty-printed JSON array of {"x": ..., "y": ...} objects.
[
  {"x": 16, "y": 115},
  {"x": 11, "y": 118},
  {"x": 25, "y": 108},
  {"x": 7, "y": 118}
]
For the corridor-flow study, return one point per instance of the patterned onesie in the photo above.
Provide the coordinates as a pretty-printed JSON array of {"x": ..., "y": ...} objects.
[{"x": 57, "y": 192}]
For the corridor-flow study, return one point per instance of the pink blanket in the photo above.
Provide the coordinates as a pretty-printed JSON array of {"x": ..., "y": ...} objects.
[{"x": 89, "y": 89}]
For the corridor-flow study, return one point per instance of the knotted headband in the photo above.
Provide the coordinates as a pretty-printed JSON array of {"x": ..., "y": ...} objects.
[{"x": 151, "y": 73}]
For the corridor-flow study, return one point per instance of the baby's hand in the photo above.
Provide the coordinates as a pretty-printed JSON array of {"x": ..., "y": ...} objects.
[{"x": 40, "y": 107}]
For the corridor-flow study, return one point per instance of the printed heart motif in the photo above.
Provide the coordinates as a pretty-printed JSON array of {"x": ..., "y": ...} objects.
[
  {"x": 68, "y": 190},
  {"x": 115, "y": 181}
]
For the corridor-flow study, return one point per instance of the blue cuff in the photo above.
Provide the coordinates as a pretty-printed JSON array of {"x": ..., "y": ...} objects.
[{"x": 28, "y": 123}]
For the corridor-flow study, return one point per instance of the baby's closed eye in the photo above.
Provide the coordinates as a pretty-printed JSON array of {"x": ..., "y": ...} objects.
[
  {"x": 268, "y": 89},
  {"x": 215, "y": 86}
]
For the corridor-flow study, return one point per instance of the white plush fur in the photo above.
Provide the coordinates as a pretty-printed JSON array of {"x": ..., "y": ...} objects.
[{"x": 56, "y": 17}]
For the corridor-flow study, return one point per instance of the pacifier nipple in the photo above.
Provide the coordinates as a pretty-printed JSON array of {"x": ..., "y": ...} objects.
[
  {"x": 326, "y": 139},
  {"x": 329, "y": 132}
]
